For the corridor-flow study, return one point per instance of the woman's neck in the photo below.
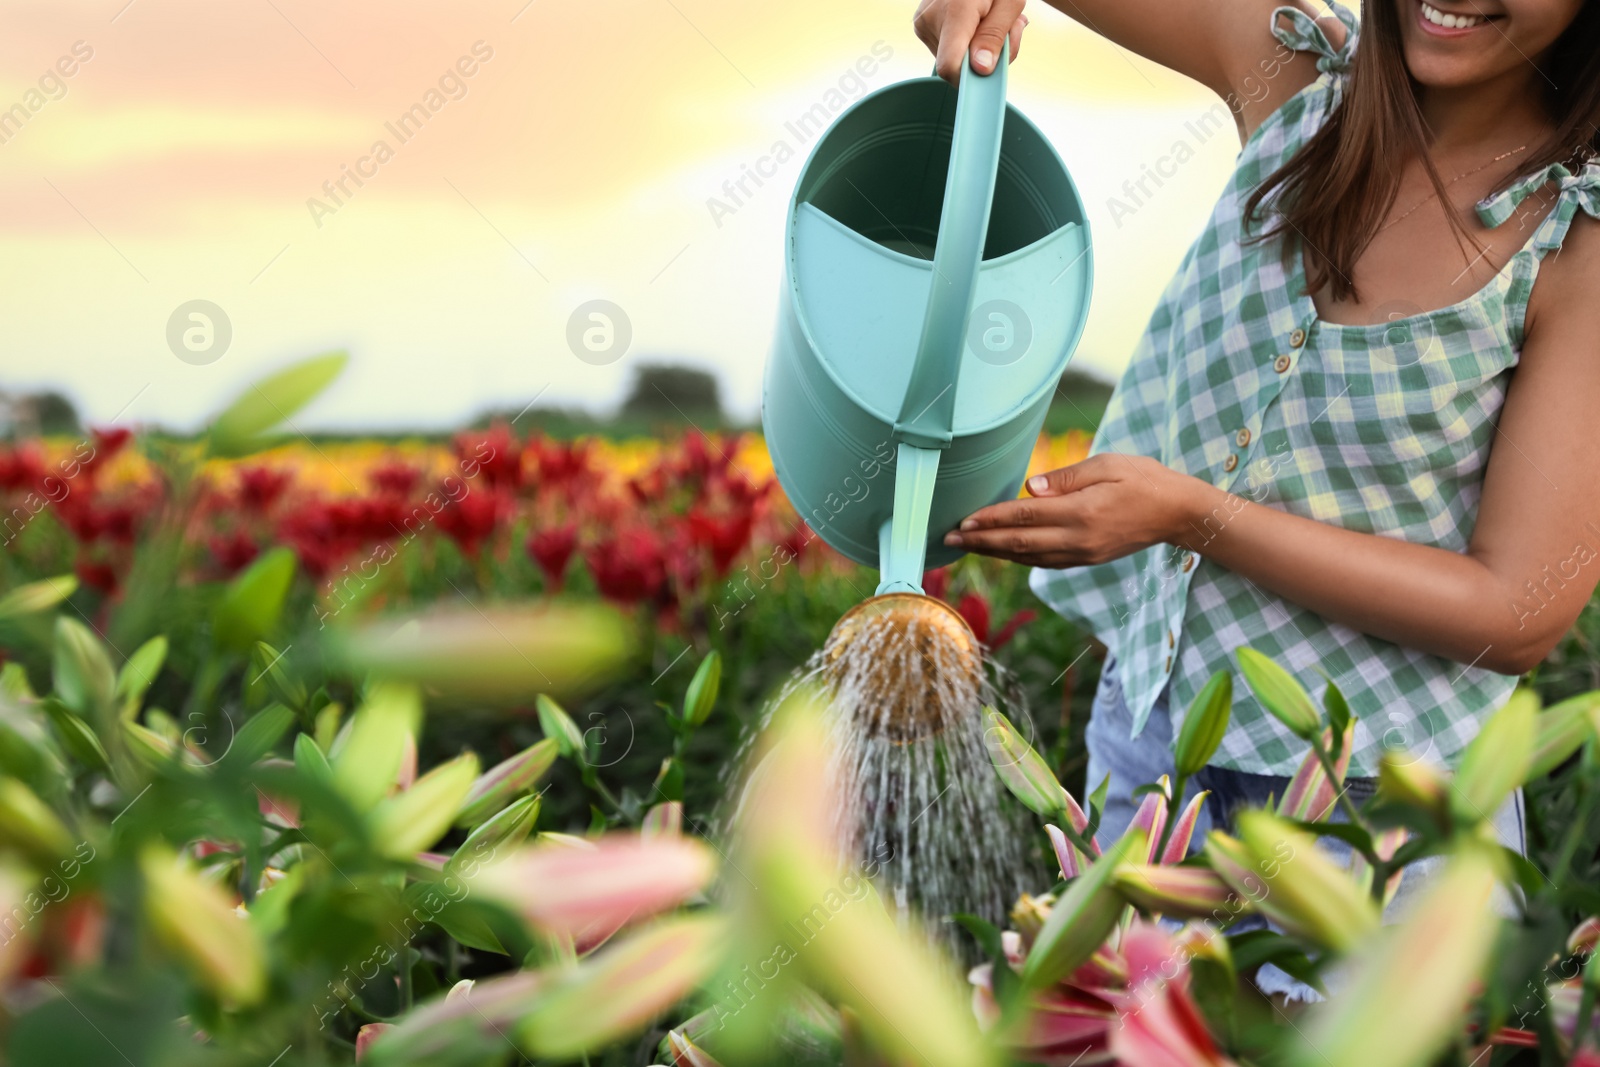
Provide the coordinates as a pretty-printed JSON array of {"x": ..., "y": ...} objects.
[{"x": 1488, "y": 116}]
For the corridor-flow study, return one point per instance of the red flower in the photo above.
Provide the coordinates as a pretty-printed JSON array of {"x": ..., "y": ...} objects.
[
  {"x": 1009, "y": 630},
  {"x": 552, "y": 550},
  {"x": 97, "y": 575},
  {"x": 108, "y": 442},
  {"x": 725, "y": 536},
  {"x": 739, "y": 493},
  {"x": 469, "y": 521},
  {"x": 21, "y": 468},
  {"x": 233, "y": 552},
  {"x": 559, "y": 463},
  {"x": 936, "y": 583},
  {"x": 81, "y": 518},
  {"x": 629, "y": 567},
  {"x": 975, "y": 609},
  {"x": 314, "y": 531},
  {"x": 395, "y": 478},
  {"x": 495, "y": 455},
  {"x": 260, "y": 488},
  {"x": 118, "y": 522},
  {"x": 796, "y": 541}
]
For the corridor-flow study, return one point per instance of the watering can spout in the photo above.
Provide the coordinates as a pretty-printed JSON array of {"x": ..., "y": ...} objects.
[{"x": 903, "y": 537}]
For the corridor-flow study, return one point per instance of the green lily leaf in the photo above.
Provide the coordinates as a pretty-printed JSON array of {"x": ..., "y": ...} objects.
[
  {"x": 247, "y": 424},
  {"x": 83, "y": 675},
  {"x": 253, "y": 602},
  {"x": 139, "y": 673}
]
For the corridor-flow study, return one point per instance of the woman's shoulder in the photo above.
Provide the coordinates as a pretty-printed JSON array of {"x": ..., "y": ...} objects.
[
  {"x": 1301, "y": 75},
  {"x": 1562, "y": 302}
]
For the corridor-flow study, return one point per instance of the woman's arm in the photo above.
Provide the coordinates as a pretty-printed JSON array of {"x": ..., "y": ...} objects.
[
  {"x": 1224, "y": 46},
  {"x": 1532, "y": 562}
]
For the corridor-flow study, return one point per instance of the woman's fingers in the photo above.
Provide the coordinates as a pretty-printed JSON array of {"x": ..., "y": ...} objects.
[
  {"x": 993, "y": 29},
  {"x": 1016, "y": 35},
  {"x": 956, "y": 30},
  {"x": 1009, "y": 513},
  {"x": 1021, "y": 540},
  {"x": 1078, "y": 475}
]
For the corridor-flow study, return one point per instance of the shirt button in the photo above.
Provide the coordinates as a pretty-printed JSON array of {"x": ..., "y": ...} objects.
[
  {"x": 1168, "y": 666},
  {"x": 1280, "y": 364},
  {"x": 1188, "y": 562},
  {"x": 1231, "y": 462},
  {"x": 1243, "y": 437},
  {"x": 1297, "y": 339},
  {"x": 1170, "y": 642}
]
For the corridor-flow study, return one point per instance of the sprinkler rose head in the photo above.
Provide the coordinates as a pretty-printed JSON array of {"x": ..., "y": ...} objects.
[{"x": 909, "y": 653}]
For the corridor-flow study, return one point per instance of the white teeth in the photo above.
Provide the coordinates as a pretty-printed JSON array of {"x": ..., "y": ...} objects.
[{"x": 1448, "y": 21}]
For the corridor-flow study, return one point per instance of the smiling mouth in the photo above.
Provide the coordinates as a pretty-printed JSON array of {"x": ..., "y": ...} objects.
[{"x": 1444, "y": 23}]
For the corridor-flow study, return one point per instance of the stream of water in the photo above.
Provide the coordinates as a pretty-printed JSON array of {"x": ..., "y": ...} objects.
[{"x": 910, "y": 775}]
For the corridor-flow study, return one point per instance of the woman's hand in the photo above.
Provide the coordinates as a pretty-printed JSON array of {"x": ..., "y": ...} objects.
[
  {"x": 1101, "y": 509},
  {"x": 949, "y": 27}
]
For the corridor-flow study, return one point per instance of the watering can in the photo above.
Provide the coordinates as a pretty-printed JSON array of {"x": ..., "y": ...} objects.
[{"x": 937, "y": 279}]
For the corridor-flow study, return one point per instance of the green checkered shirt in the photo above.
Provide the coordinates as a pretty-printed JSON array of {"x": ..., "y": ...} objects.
[{"x": 1384, "y": 429}]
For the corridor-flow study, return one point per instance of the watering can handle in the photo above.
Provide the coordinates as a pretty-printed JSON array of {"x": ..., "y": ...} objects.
[{"x": 927, "y": 414}]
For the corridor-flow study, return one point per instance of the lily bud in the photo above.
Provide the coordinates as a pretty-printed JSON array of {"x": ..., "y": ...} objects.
[
  {"x": 1152, "y": 817},
  {"x": 1585, "y": 937},
  {"x": 558, "y": 726},
  {"x": 1310, "y": 795},
  {"x": 268, "y": 664},
  {"x": 508, "y": 828},
  {"x": 37, "y": 596},
  {"x": 1413, "y": 782},
  {"x": 1497, "y": 760},
  {"x": 1067, "y": 854},
  {"x": 30, "y": 826},
  {"x": 621, "y": 988},
  {"x": 663, "y": 820},
  {"x": 365, "y": 1036},
  {"x": 369, "y": 753},
  {"x": 1308, "y": 893},
  {"x": 686, "y": 1053},
  {"x": 1029, "y": 913},
  {"x": 1404, "y": 1000},
  {"x": 200, "y": 925},
  {"x": 405, "y": 824},
  {"x": 1280, "y": 694},
  {"x": 506, "y": 781},
  {"x": 1562, "y": 729},
  {"x": 1023, "y": 770},
  {"x": 1204, "y": 725},
  {"x": 1183, "y": 829},
  {"x": 701, "y": 696},
  {"x": 1181, "y": 892},
  {"x": 567, "y": 889}
]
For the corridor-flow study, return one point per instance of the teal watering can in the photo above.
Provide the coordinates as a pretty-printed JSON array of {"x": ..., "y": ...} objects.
[{"x": 937, "y": 279}]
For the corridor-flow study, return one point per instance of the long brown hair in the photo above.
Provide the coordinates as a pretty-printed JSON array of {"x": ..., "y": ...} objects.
[{"x": 1339, "y": 187}]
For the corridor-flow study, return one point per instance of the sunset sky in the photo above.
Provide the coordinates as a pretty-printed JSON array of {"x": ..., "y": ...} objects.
[{"x": 179, "y": 160}]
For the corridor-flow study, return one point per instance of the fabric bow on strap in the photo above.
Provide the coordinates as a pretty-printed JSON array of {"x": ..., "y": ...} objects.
[
  {"x": 1572, "y": 192},
  {"x": 1304, "y": 35}
]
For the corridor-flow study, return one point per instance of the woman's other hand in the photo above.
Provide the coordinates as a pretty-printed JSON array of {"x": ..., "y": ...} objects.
[
  {"x": 1101, "y": 509},
  {"x": 952, "y": 28}
]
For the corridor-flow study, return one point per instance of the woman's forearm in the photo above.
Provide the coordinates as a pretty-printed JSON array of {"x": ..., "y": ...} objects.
[{"x": 1447, "y": 603}]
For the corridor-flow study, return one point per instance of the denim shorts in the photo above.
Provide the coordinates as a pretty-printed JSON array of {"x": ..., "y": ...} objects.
[{"x": 1131, "y": 762}]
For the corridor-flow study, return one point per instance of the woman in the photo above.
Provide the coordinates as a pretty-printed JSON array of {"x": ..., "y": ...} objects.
[{"x": 1358, "y": 434}]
